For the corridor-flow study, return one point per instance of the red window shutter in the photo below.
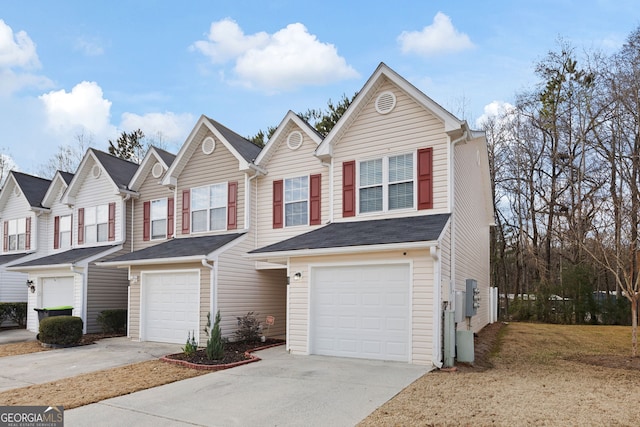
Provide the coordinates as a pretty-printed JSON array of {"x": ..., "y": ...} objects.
[
  {"x": 277, "y": 204},
  {"x": 315, "y": 190},
  {"x": 425, "y": 178},
  {"x": 81, "y": 226},
  {"x": 146, "y": 221},
  {"x": 170, "y": 217},
  {"x": 56, "y": 232},
  {"x": 27, "y": 243},
  {"x": 349, "y": 188},
  {"x": 6, "y": 236},
  {"x": 232, "y": 206},
  {"x": 112, "y": 221},
  {"x": 186, "y": 207}
]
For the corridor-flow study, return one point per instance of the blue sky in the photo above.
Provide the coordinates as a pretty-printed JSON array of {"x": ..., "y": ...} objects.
[{"x": 70, "y": 68}]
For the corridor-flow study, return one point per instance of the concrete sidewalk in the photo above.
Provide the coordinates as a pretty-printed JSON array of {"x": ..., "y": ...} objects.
[
  {"x": 35, "y": 368},
  {"x": 8, "y": 336},
  {"x": 281, "y": 389}
]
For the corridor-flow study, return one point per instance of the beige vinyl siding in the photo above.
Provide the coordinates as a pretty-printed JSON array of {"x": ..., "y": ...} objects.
[
  {"x": 94, "y": 192},
  {"x": 471, "y": 227},
  {"x": 242, "y": 288},
  {"x": 445, "y": 265},
  {"x": 221, "y": 166},
  {"x": 107, "y": 291},
  {"x": 404, "y": 130},
  {"x": 286, "y": 163},
  {"x": 149, "y": 190},
  {"x": 422, "y": 294},
  {"x": 17, "y": 207},
  {"x": 134, "y": 297}
]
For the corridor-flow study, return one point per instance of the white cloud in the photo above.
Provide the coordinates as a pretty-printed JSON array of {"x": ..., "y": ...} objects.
[
  {"x": 16, "y": 50},
  {"x": 168, "y": 126},
  {"x": 289, "y": 58},
  {"x": 84, "y": 108},
  {"x": 494, "y": 110},
  {"x": 11, "y": 82},
  {"x": 438, "y": 38},
  {"x": 89, "y": 47}
]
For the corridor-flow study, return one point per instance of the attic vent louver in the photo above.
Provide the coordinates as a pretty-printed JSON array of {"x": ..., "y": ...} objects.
[
  {"x": 208, "y": 145},
  {"x": 95, "y": 171},
  {"x": 294, "y": 141},
  {"x": 385, "y": 102},
  {"x": 157, "y": 170}
]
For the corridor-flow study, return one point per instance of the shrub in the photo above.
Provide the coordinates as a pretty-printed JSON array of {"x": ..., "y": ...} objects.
[
  {"x": 13, "y": 311},
  {"x": 249, "y": 328},
  {"x": 113, "y": 321},
  {"x": 61, "y": 330},
  {"x": 191, "y": 346},
  {"x": 215, "y": 344}
]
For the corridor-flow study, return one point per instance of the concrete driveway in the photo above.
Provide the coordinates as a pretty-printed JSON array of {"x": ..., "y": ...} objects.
[
  {"x": 45, "y": 366},
  {"x": 281, "y": 389}
]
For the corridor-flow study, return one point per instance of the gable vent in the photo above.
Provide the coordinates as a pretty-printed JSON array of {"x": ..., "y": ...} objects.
[
  {"x": 95, "y": 171},
  {"x": 385, "y": 102},
  {"x": 157, "y": 170},
  {"x": 208, "y": 145},
  {"x": 294, "y": 141}
]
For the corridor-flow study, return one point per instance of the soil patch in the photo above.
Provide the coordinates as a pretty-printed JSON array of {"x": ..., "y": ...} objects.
[{"x": 234, "y": 352}]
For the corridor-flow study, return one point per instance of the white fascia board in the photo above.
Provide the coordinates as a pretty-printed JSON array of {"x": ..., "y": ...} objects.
[
  {"x": 153, "y": 261},
  {"x": 341, "y": 250}
]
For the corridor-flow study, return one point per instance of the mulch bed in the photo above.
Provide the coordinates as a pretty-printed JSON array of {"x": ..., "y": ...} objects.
[{"x": 235, "y": 353}]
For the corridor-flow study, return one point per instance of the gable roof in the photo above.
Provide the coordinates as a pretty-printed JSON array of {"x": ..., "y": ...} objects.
[
  {"x": 359, "y": 234},
  {"x": 118, "y": 170},
  {"x": 60, "y": 180},
  {"x": 154, "y": 154},
  {"x": 451, "y": 123},
  {"x": 288, "y": 119},
  {"x": 6, "y": 259},
  {"x": 176, "y": 250},
  {"x": 242, "y": 149},
  {"x": 34, "y": 188}
]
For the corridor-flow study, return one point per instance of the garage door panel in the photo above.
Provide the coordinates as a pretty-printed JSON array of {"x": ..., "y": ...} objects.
[
  {"x": 57, "y": 291},
  {"x": 171, "y": 306},
  {"x": 367, "y": 315}
]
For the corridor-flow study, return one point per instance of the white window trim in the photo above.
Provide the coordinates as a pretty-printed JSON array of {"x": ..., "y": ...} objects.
[
  {"x": 385, "y": 184},
  {"x": 96, "y": 224},
  {"x": 284, "y": 202},
  {"x": 61, "y": 240},
  {"x": 17, "y": 234},
  {"x": 165, "y": 218},
  {"x": 208, "y": 209}
]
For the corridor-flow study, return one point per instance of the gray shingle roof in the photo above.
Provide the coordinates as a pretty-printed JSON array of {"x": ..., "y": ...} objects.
[
  {"x": 4, "y": 259},
  {"x": 121, "y": 171},
  {"x": 362, "y": 233},
  {"x": 34, "y": 188},
  {"x": 67, "y": 176},
  {"x": 247, "y": 149},
  {"x": 68, "y": 257},
  {"x": 166, "y": 156},
  {"x": 179, "y": 248}
]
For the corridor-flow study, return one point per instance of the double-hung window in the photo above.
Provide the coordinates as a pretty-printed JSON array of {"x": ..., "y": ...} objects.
[
  {"x": 209, "y": 208},
  {"x": 296, "y": 201},
  {"x": 17, "y": 233},
  {"x": 96, "y": 224},
  {"x": 386, "y": 184},
  {"x": 64, "y": 232},
  {"x": 159, "y": 219}
]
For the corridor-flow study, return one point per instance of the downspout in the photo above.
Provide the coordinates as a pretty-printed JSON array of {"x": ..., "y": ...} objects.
[
  {"x": 434, "y": 251},
  {"x": 452, "y": 262},
  {"x": 213, "y": 287},
  {"x": 330, "y": 166},
  {"x": 83, "y": 314},
  {"x": 251, "y": 200}
]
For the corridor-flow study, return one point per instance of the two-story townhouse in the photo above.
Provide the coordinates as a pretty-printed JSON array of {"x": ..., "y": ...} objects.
[
  {"x": 409, "y": 211},
  {"x": 21, "y": 214},
  {"x": 87, "y": 222},
  {"x": 200, "y": 268}
]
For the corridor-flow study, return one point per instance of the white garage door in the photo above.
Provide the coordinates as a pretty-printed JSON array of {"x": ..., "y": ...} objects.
[
  {"x": 57, "y": 291},
  {"x": 361, "y": 311},
  {"x": 170, "y": 306}
]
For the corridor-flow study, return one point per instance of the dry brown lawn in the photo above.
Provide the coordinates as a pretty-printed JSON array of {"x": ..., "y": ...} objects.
[
  {"x": 535, "y": 374},
  {"x": 524, "y": 374}
]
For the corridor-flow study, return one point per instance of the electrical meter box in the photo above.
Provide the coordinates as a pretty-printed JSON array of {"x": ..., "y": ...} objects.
[{"x": 472, "y": 298}]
